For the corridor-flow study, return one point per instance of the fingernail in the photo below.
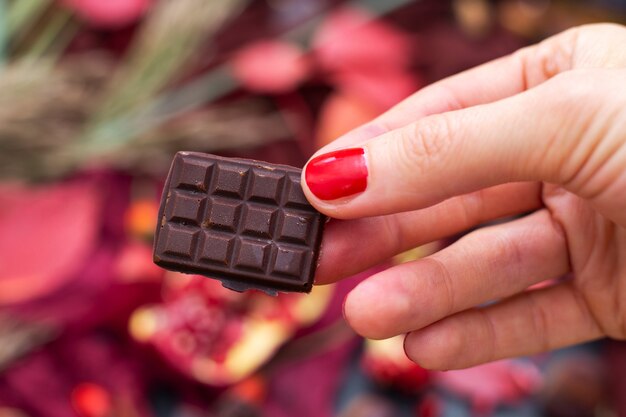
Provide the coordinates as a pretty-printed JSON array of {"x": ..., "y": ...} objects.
[{"x": 337, "y": 174}]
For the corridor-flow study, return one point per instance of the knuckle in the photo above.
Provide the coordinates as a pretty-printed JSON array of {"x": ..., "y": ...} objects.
[
  {"x": 552, "y": 58},
  {"x": 570, "y": 105},
  {"x": 424, "y": 143},
  {"x": 508, "y": 249},
  {"x": 585, "y": 103},
  {"x": 540, "y": 320},
  {"x": 425, "y": 348},
  {"x": 473, "y": 208},
  {"x": 454, "y": 351},
  {"x": 548, "y": 58},
  {"x": 490, "y": 351},
  {"x": 394, "y": 234},
  {"x": 441, "y": 282}
]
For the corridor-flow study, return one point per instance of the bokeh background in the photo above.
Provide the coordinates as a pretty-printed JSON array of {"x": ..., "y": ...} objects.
[{"x": 95, "y": 98}]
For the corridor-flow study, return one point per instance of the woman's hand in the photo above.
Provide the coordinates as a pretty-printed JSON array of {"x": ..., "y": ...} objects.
[{"x": 543, "y": 131}]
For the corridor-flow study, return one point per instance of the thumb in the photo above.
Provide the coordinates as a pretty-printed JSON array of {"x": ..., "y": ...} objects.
[{"x": 537, "y": 135}]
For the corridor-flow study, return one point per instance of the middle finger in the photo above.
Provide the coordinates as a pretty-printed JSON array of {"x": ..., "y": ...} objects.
[
  {"x": 386, "y": 236},
  {"x": 486, "y": 265}
]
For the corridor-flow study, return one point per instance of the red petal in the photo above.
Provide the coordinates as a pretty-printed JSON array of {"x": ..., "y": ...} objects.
[
  {"x": 46, "y": 234},
  {"x": 270, "y": 66},
  {"x": 109, "y": 13},
  {"x": 352, "y": 39}
]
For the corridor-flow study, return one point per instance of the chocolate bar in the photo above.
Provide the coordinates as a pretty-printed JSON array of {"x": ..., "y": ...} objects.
[{"x": 244, "y": 222}]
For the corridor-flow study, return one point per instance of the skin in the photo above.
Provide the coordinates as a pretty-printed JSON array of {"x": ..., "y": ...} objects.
[{"x": 541, "y": 132}]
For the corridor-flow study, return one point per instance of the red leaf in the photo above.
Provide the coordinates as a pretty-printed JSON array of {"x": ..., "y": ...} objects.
[
  {"x": 46, "y": 234},
  {"x": 270, "y": 66}
]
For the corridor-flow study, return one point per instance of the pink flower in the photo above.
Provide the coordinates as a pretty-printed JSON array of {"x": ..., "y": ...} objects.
[
  {"x": 270, "y": 66},
  {"x": 351, "y": 40},
  {"x": 366, "y": 57},
  {"x": 109, "y": 13}
]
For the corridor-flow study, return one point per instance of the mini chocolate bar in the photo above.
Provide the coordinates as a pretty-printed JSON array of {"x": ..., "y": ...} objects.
[{"x": 244, "y": 222}]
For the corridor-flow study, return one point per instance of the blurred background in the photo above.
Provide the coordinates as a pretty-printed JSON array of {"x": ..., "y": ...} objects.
[{"x": 95, "y": 98}]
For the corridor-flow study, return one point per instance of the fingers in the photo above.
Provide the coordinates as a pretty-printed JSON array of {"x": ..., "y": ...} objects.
[
  {"x": 389, "y": 235},
  {"x": 486, "y": 265},
  {"x": 533, "y": 136},
  {"x": 486, "y": 83},
  {"x": 535, "y": 321}
]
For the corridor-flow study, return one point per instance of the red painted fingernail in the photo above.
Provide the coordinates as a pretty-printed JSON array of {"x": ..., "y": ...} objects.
[{"x": 337, "y": 174}]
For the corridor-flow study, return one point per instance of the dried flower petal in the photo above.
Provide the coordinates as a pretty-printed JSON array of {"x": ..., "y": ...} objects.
[
  {"x": 46, "y": 234},
  {"x": 488, "y": 385},
  {"x": 270, "y": 66},
  {"x": 109, "y": 13},
  {"x": 350, "y": 39}
]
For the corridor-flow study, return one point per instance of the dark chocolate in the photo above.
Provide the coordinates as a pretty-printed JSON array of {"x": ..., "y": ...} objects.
[{"x": 244, "y": 222}]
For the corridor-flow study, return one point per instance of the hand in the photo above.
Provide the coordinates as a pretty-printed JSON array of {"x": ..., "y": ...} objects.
[{"x": 542, "y": 131}]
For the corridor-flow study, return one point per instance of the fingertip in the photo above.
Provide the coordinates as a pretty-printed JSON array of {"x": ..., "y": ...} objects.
[
  {"x": 364, "y": 311},
  {"x": 435, "y": 347}
]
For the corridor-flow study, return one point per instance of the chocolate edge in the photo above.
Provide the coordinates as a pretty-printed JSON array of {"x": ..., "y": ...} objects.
[{"x": 162, "y": 203}]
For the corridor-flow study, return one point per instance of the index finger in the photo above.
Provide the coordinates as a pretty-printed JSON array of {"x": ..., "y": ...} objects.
[{"x": 492, "y": 81}]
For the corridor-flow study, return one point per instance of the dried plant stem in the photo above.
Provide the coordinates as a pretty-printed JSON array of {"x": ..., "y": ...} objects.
[
  {"x": 53, "y": 38},
  {"x": 4, "y": 37},
  {"x": 165, "y": 44},
  {"x": 218, "y": 82},
  {"x": 21, "y": 14}
]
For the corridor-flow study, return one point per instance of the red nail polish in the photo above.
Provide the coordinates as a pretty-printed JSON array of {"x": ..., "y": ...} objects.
[{"x": 337, "y": 174}]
